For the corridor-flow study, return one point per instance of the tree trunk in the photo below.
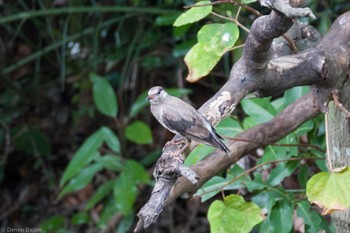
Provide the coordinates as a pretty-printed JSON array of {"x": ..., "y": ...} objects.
[{"x": 339, "y": 145}]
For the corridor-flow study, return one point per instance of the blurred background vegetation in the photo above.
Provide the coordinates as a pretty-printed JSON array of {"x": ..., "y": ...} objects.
[{"x": 74, "y": 76}]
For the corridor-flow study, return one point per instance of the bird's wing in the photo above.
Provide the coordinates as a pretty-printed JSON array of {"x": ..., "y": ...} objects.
[{"x": 185, "y": 120}]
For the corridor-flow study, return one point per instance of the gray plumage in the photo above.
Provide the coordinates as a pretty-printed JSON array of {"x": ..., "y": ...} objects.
[{"x": 182, "y": 119}]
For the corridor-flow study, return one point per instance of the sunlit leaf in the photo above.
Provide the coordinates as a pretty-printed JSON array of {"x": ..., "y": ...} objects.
[
  {"x": 233, "y": 215},
  {"x": 81, "y": 180},
  {"x": 104, "y": 96},
  {"x": 139, "y": 133},
  {"x": 83, "y": 156},
  {"x": 330, "y": 190},
  {"x": 99, "y": 194},
  {"x": 213, "y": 41},
  {"x": 194, "y": 14}
]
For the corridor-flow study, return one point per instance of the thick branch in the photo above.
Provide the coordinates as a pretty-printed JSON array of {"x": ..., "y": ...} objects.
[{"x": 294, "y": 115}]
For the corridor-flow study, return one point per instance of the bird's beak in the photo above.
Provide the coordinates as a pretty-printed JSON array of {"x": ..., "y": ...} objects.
[{"x": 149, "y": 98}]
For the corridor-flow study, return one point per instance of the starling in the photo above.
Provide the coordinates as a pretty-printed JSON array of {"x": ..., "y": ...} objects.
[{"x": 182, "y": 119}]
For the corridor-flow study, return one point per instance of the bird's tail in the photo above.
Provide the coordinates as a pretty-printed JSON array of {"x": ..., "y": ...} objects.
[{"x": 220, "y": 144}]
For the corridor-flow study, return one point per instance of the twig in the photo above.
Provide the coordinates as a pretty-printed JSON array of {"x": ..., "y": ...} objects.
[
  {"x": 340, "y": 105},
  {"x": 258, "y": 166},
  {"x": 236, "y": 47},
  {"x": 277, "y": 144},
  {"x": 328, "y": 155},
  {"x": 232, "y": 20}
]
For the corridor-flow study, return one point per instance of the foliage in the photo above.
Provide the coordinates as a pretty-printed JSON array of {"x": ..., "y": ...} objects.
[
  {"x": 329, "y": 190},
  {"x": 228, "y": 215},
  {"x": 269, "y": 193}
]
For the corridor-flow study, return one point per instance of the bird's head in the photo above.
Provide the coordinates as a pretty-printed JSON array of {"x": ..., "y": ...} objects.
[{"x": 156, "y": 95}]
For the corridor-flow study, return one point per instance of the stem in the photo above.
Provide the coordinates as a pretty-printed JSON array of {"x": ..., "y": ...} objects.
[
  {"x": 328, "y": 155},
  {"x": 340, "y": 105},
  {"x": 277, "y": 144},
  {"x": 258, "y": 166},
  {"x": 232, "y": 20}
]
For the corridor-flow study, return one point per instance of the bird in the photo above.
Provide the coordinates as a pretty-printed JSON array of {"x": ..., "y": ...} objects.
[{"x": 182, "y": 119}]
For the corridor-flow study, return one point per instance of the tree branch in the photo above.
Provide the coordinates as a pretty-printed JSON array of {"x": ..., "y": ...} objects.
[{"x": 257, "y": 71}]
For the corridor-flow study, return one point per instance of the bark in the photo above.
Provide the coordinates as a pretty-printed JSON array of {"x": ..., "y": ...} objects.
[
  {"x": 339, "y": 144},
  {"x": 264, "y": 71}
]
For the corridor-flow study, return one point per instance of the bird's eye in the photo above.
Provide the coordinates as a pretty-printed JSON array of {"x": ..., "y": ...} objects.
[{"x": 160, "y": 90}]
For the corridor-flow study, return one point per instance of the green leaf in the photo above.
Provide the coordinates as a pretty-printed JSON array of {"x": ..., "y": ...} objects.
[
  {"x": 125, "y": 192},
  {"x": 80, "y": 218},
  {"x": 110, "y": 162},
  {"x": 280, "y": 152},
  {"x": 291, "y": 95},
  {"x": 303, "y": 175},
  {"x": 136, "y": 172},
  {"x": 228, "y": 127},
  {"x": 260, "y": 109},
  {"x": 32, "y": 140},
  {"x": 211, "y": 188},
  {"x": 198, "y": 153},
  {"x": 83, "y": 156},
  {"x": 110, "y": 208},
  {"x": 330, "y": 190},
  {"x": 139, "y": 133},
  {"x": 166, "y": 19},
  {"x": 282, "y": 171},
  {"x": 81, "y": 180},
  {"x": 304, "y": 128},
  {"x": 53, "y": 224},
  {"x": 213, "y": 41},
  {"x": 100, "y": 193},
  {"x": 194, "y": 14},
  {"x": 126, "y": 223},
  {"x": 311, "y": 218},
  {"x": 280, "y": 219},
  {"x": 104, "y": 96},
  {"x": 111, "y": 139},
  {"x": 233, "y": 215}
]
